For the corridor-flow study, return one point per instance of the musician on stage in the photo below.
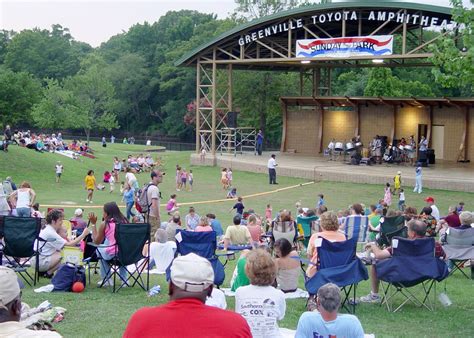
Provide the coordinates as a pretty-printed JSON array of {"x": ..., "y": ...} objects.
[
  {"x": 411, "y": 153},
  {"x": 377, "y": 148},
  {"x": 331, "y": 146},
  {"x": 401, "y": 145},
  {"x": 423, "y": 148}
]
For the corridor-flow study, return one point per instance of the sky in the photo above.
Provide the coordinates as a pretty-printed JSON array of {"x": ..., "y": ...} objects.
[{"x": 95, "y": 22}]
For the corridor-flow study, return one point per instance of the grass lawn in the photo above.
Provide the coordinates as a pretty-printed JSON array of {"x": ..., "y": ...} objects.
[{"x": 98, "y": 313}]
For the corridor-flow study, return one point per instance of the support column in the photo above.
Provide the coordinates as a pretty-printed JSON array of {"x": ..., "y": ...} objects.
[
  {"x": 430, "y": 125},
  {"x": 321, "y": 124},
  {"x": 357, "y": 130},
  {"x": 198, "y": 114},
  {"x": 394, "y": 121},
  {"x": 283, "y": 134},
  {"x": 214, "y": 102}
]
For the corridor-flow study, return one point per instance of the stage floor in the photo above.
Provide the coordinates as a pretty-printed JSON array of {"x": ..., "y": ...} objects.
[{"x": 443, "y": 175}]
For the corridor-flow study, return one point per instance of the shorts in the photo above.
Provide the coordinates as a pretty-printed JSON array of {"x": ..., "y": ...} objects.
[
  {"x": 44, "y": 263},
  {"x": 58, "y": 174},
  {"x": 90, "y": 190},
  {"x": 190, "y": 182},
  {"x": 155, "y": 224},
  {"x": 224, "y": 181},
  {"x": 183, "y": 180}
]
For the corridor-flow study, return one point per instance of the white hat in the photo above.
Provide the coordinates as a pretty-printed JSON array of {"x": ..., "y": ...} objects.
[
  {"x": 78, "y": 212},
  {"x": 192, "y": 273},
  {"x": 10, "y": 288}
]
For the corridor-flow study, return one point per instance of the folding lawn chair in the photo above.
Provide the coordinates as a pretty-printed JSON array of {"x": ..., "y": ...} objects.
[
  {"x": 285, "y": 230},
  {"x": 22, "y": 243},
  {"x": 338, "y": 264},
  {"x": 413, "y": 263},
  {"x": 306, "y": 225},
  {"x": 203, "y": 244},
  {"x": 459, "y": 248},
  {"x": 90, "y": 259},
  {"x": 130, "y": 240},
  {"x": 391, "y": 227},
  {"x": 356, "y": 226}
]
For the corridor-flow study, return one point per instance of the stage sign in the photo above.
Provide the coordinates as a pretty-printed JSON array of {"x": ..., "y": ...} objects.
[{"x": 376, "y": 45}]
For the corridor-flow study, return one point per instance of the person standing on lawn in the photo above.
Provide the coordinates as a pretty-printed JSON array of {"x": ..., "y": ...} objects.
[{"x": 90, "y": 184}]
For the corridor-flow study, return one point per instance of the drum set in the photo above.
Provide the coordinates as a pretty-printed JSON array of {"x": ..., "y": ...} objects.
[{"x": 399, "y": 154}]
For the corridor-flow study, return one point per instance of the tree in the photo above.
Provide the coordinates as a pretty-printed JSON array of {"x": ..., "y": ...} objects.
[
  {"x": 93, "y": 101},
  {"x": 381, "y": 82},
  {"x": 45, "y": 54},
  {"x": 454, "y": 65},
  {"x": 18, "y": 93},
  {"x": 248, "y": 10}
]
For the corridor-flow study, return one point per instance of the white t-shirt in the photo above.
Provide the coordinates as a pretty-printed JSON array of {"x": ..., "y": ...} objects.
[
  {"x": 162, "y": 254},
  {"x": 153, "y": 193},
  {"x": 217, "y": 299},
  {"x": 54, "y": 241},
  {"x": 271, "y": 163},
  {"x": 59, "y": 169},
  {"x": 435, "y": 212},
  {"x": 402, "y": 196},
  {"x": 130, "y": 178},
  {"x": 262, "y": 307}
]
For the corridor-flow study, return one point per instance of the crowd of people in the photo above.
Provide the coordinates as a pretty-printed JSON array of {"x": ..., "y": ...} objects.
[{"x": 265, "y": 271}]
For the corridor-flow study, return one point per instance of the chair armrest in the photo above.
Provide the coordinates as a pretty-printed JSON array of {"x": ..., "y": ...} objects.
[{"x": 99, "y": 245}]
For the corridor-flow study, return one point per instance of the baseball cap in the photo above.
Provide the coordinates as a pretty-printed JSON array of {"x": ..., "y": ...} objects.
[
  {"x": 192, "y": 273},
  {"x": 10, "y": 288},
  {"x": 78, "y": 212},
  {"x": 399, "y": 172},
  {"x": 429, "y": 199}
]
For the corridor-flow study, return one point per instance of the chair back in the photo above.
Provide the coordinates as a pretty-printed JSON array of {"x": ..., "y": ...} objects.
[
  {"x": 130, "y": 239},
  {"x": 331, "y": 254},
  {"x": 461, "y": 237},
  {"x": 20, "y": 234},
  {"x": 419, "y": 247},
  {"x": 203, "y": 244},
  {"x": 356, "y": 226},
  {"x": 288, "y": 226},
  {"x": 391, "y": 227}
]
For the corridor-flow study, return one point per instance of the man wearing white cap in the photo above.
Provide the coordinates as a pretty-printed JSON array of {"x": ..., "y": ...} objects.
[
  {"x": 10, "y": 308},
  {"x": 186, "y": 315}
]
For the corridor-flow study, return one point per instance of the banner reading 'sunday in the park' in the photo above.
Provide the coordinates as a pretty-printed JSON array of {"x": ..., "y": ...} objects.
[{"x": 376, "y": 45}]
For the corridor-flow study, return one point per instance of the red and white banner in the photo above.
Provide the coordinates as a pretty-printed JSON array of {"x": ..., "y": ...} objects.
[{"x": 377, "y": 45}]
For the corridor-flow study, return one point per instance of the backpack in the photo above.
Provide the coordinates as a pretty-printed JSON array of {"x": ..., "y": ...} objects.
[
  {"x": 143, "y": 205},
  {"x": 67, "y": 275}
]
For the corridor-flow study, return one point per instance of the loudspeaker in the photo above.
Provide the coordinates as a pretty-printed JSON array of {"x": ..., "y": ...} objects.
[{"x": 232, "y": 119}]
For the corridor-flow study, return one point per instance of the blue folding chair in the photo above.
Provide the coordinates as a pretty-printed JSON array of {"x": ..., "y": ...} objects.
[
  {"x": 413, "y": 263},
  {"x": 356, "y": 226},
  {"x": 203, "y": 244},
  {"x": 338, "y": 264}
]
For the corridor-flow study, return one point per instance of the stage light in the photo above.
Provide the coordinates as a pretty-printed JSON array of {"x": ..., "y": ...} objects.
[
  {"x": 377, "y": 61},
  {"x": 305, "y": 62}
]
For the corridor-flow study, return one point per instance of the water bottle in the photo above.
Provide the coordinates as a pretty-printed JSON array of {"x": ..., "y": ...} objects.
[
  {"x": 154, "y": 291},
  {"x": 444, "y": 299}
]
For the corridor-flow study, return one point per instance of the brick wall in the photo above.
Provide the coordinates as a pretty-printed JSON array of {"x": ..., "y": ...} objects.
[
  {"x": 407, "y": 121},
  {"x": 375, "y": 120},
  {"x": 339, "y": 125},
  {"x": 453, "y": 121},
  {"x": 302, "y": 132}
]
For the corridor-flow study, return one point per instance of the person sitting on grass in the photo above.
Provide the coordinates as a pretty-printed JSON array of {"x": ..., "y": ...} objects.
[
  {"x": 203, "y": 225},
  {"x": 191, "y": 282},
  {"x": 162, "y": 251},
  {"x": 255, "y": 229},
  {"x": 11, "y": 306},
  {"x": 192, "y": 219},
  {"x": 173, "y": 225},
  {"x": 232, "y": 193},
  {"x": 329, "y": 231},
  {"x": 50, "y": 252},
  {"x": 215, "y": 225},
  {"x": 239, "y": 277},
  {"x": 288, "y": 268},
  {"x": 326, "y": 322},
  {"x": 172, "y": 205},
  {"x": 416, "y": 229},
  {"x": 237, "y": 234},
  {"x": 105, "y": 233},
  {"x": 260, "y": 303}
]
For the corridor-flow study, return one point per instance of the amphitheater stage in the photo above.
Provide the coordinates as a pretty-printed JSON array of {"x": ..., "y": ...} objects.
[{"x": 443, "y": 175}]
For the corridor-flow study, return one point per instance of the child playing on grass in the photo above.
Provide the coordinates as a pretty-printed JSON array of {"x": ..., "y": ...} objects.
[
  {"x": 321, "y": 200},
  {"x": 268, "y": 213},
  {"x": 239, "y": 207},
  {"x": 229, "y": 177},
  {"x": 388, "y": 195},
  {"x": 112, "y": 184},
  {"x": 59, "y": 171},
  {"x": 401, "y": 200},
  {"x": 190, "y": 180},
  {"x": 184, "y": 178},
  {"x": 178, "y": 177},
  {"x": 90, "y": 185},
  {"x": 232, "y": 193},
  {"x": 172, "y": 205},
  {"x": 129, "y": 199},
  {"x": 397, "y": 181},
  {"x": 224, "y": 181}
]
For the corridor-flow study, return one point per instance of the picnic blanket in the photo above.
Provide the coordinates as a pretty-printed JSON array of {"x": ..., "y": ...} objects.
[
  {"x": 299, "y": 293},
  {"x": 67, "y": 153}
]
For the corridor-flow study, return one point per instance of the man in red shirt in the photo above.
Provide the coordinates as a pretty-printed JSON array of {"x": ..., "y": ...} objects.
[{"x": 186, "y": 315}]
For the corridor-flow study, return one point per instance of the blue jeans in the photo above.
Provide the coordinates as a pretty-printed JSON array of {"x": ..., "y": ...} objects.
[
  {"x": 129, "y": 210},
  {"x": 23, "y": 212},
  {"x": 104, "y": 266}
]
